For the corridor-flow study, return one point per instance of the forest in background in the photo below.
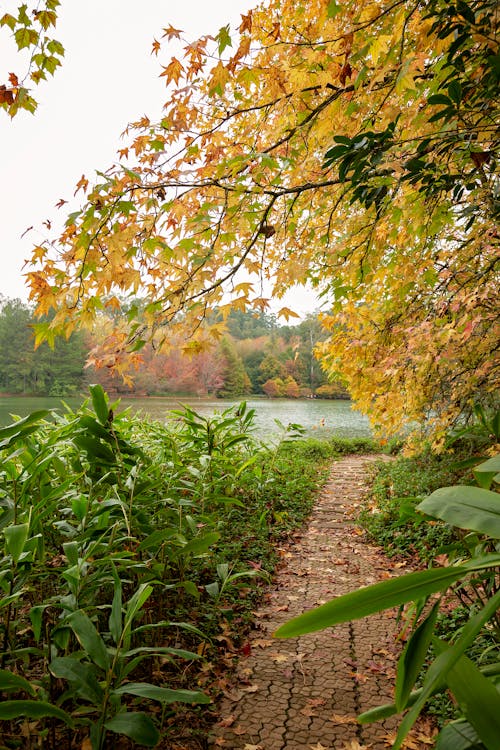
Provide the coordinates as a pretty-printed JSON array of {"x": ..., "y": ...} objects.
[{"x": 255, "y": 356}]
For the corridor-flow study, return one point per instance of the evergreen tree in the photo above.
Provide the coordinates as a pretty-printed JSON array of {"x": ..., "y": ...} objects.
[{"x": 236, "y": 380}]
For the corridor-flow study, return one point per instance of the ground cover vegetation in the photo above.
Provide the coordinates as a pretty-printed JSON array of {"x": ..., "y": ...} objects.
[{"x": 131, "y": 557}]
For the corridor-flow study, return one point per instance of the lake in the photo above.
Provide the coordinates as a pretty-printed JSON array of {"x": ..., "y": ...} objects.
[{"x": 321, "y": 418}]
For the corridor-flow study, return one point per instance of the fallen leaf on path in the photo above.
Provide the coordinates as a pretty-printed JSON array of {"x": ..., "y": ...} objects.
[
  {"x": 308, "y": 711},
  {"x": 341, "y": 719},
  {"x": 319, "y": 746},
  {"x": 228, "y": 721},
  {"x": 262, "y": 643},
  {"x": 253, "y": 747},
  {"x": 279, "y": 658},
  {"x": 250, "y": 688},
  {"x": 354, "y": 745},
  {"x": 316, "y": 702},
  {"x": 239, "y": 730},
  {"x": 233, "y": 695}
]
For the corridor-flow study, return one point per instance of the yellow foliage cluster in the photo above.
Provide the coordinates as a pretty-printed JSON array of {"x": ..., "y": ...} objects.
[{"x": 232, "y": 184}]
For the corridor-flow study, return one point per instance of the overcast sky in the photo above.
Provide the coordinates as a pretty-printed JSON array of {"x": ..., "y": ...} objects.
[{"x": 108, "y": 79}]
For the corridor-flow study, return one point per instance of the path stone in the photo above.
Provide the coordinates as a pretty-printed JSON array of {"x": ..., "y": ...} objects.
[{"x": 302, "y": 693}]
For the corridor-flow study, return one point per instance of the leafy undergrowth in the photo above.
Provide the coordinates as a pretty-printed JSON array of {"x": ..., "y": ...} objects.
[
  {"x": 389, "y": 515},
  {"x": 133, "y": 554},
  {"x": 391, "y": 520}
]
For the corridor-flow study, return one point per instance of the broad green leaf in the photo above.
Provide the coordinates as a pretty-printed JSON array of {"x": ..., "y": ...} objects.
[
  {"x": 161, "y": 694},
  {"x": 71, "y": 550},
  {"x": 33, "y": 710},
  {"x": 82, "y": 677},
  {"x": 477, "y": 696},
  {"x": 470, "y": 508},
  {"x": 10, "y": 681},
  {"x": 486, "y": 472},
  {"x": 100, "y": 403},
  {"x": 15, "y": 539},
  {"x": 19, "y": 428},
  {"x": 201, "y": 544},
  {"x": 370, "y": 599},
  {"x": 88, "y": 637},
  {"x": 438, "y": 670},
  {"x": 36, "y": 617},
  {"x": 413, "y": 657},
  {"x": 458, "y": 735},
  {"x": 138, "y": 726}
]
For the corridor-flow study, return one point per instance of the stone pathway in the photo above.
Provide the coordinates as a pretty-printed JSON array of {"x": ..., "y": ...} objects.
[{"x": 305, "y": 692}]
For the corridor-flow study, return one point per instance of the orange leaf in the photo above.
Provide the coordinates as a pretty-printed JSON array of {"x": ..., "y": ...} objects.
[
  {"x": 172, "y": 33},
  {"x": 173, "y": 71},
  {"x": 82, "y": 184}
]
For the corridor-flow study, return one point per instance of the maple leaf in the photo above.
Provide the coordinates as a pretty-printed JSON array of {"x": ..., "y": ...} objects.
[
  {"x": 246, "y": 22},
  {"x": 220, "y": 76},
  {"x": 156, "y": 46},
  {"x": 171, "y": 33},
  {"x": 173, "y": 71},
  {"x": 286, "y": 313},
  {"x": 82, "y": 184}
]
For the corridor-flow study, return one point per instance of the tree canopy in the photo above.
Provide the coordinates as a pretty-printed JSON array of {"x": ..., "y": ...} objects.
[{"x": 350, "y": 145}]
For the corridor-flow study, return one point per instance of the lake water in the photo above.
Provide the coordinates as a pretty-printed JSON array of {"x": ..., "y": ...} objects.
[{"x": 320, "y": 418}]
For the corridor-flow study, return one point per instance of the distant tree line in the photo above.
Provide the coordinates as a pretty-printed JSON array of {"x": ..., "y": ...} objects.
[{"x": 255, "y": 356}]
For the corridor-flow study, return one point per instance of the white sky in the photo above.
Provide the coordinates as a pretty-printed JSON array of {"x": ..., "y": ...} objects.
[{"x": 108, "y": 79}]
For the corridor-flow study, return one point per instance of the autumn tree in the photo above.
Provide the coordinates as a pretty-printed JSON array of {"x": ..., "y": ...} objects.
[
  {"x": 30, "y": 28},
  {"x": 351, "y": 145}
]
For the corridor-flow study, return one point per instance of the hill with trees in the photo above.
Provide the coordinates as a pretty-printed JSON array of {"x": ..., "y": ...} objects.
[{"x": 256, "y": 356}]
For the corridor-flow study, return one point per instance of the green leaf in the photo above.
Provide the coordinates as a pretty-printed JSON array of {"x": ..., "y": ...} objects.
[
  {"x": 138, "y": 726},
  {"x": 370, "y": 599},
  {"x": 439, "y": 99},
  {"x": 17, "y": 428},
  {"x": 223, "y": 39},
  {"x": 458, "y": 735},
  {"x": 33, "y": 710},
  {"x": 478, "y": 698},
  {"x": 115, "y": 618},
  {"x": 486, "y": 472},
  {"x": 82, "y": 677},
  {"x": 9, "y": 681},
  {"x": 413, "y": 657},
  {"x": 36, "y": 618},
  {"x": 389, "y": 709},
  {"x": 88, "y": 637},
  {"x": 466, "y": 507},
  {"x": 15, "y": 539},
  {"x": 161, "y": 694},
  {"x": 438, "y": 670},
  {"x": 333, "y": 8},
  {"x": 201, "y": 544},
  {"x": 455, "y": 91},
  {"x": 99, "y": 402}
]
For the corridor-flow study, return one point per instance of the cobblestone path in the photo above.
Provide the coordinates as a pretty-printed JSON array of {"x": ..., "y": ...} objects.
[{"x": 304, "y": 692}]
